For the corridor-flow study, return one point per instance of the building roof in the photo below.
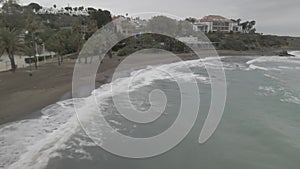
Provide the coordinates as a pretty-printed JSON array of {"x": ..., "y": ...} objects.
[{"x": 215, "y": 18}]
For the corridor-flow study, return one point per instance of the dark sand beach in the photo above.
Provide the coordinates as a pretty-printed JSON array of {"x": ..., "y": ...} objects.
[
  {"x": 21, "y": 95},
  {"x": 46, "y": 139}
]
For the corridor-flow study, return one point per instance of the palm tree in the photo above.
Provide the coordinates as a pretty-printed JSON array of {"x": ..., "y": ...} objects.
[
  {"x": 31, "y": 26},
  {"x": 9, "y": 43}
]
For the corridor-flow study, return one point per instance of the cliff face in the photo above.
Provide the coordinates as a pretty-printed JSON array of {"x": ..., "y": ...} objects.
[{"x": 294, "y": 43}]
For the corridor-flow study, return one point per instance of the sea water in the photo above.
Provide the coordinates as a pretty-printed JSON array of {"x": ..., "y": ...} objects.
[{"x": 259, "y": 129}]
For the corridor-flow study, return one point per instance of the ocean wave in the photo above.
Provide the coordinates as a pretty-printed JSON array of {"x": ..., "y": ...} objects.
[
  {"x": 295, "y": 53},
  {"x": 286, "y": 95},
  {"x": 254, "y": 67},
  {"x": 271, "y": 77},
  {"x": 270, "y": 90},
  {"x": 32, "y": 143},
  {"x": 289, "y": 67},
  {"x": 275, "y": 59},
  {"x": 24, "y": 141},
  {"x": 290, "y": 98},
  {"x": 279, "y": 63}
]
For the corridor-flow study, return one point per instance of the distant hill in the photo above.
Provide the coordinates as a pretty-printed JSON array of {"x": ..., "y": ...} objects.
[{"x": 244, "y": 42}]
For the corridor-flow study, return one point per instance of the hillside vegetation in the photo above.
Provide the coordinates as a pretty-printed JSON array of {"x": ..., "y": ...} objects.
[{"x": 244, "y": 42}]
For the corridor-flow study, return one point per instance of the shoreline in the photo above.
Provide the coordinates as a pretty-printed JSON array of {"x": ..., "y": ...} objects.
[
  {"x": 274, "y": 52},
  {"x": 23, "y": 96}
]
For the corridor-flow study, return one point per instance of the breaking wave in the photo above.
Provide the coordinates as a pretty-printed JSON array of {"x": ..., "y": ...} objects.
[{"x": 31, "y": 143}]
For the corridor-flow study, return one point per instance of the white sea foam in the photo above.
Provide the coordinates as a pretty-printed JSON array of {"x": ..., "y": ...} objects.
[
  {"x": 256, "y": 63},
  {"x": 24, "y": 140},
  {"x": 31, "y": 143},
  {"x": 115, "y": 122},
  {"x": 267, "y": 89},
  {"x": 271, "y": 77},
  {"x": 274, "y": 59},
  {"x": 295, "y": 53},
  {"x": 286, "y": 96},
  {"x": 270, "y": 90},
  {"x": 254, "y": 67},
  {"x": 290, "y": 98},
  {"x": 289, "y": 68}
]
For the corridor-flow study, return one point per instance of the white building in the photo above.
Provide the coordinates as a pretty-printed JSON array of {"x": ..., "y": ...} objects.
[
  {"x": 216, "y": 23},
  {"x": 129, "y": 26},
  {"x": 83, "y": 12}
]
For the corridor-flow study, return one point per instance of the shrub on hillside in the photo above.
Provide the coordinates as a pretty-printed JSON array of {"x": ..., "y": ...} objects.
[{"x": 125, "y": 51}]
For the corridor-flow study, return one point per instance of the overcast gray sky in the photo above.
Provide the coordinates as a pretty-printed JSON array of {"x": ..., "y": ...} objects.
[{"x": 281, "y": 17}]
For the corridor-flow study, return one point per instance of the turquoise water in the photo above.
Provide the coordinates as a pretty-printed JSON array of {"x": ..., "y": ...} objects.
[{"x": 259, "y": 129}]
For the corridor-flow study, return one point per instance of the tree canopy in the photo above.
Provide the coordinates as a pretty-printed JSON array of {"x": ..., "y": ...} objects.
[{"x": 61, "y": 33}]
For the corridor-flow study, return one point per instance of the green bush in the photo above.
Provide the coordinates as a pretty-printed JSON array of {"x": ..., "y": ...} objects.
[
  {"x": 242, "y": 42},
  {"x": 74, "y": 56},
  {"x": 125, "y": 51}
]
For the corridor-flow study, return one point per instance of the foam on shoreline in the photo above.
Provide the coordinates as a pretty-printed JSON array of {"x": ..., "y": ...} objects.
[{"x": 31, "y": 143}]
